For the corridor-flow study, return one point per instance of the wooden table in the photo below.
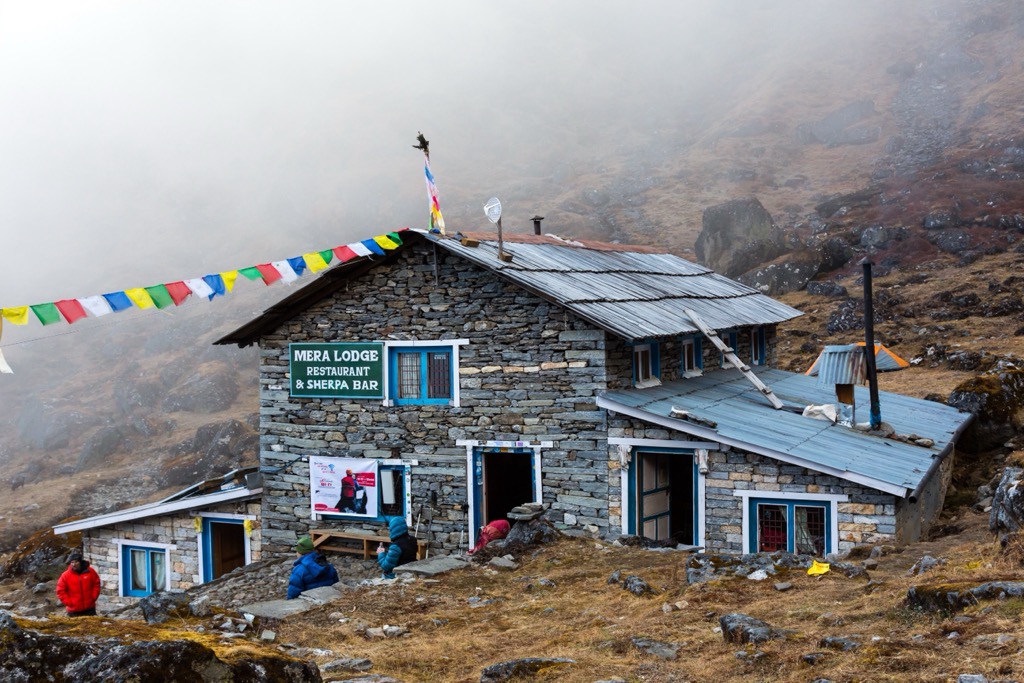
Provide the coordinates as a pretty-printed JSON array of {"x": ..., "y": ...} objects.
[{"x": 355, "y": 542}]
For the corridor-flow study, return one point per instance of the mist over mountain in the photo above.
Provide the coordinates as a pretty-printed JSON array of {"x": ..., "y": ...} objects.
[{"x": 151, "y": 143}]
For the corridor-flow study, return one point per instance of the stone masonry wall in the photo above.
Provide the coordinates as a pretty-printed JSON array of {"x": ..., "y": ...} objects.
[
  {"x": 868, "y": 517},
  {"x": 177, "y": 529},
  {"x": 530, "y": 372}
]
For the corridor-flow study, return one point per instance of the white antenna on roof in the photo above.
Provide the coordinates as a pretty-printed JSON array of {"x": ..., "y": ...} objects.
[{"x": 492, "y": 209}]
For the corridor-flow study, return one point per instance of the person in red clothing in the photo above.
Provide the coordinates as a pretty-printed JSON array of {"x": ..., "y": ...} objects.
[
  {"x": 494, "y": 531},
  {"x": 78, "y": 587}
]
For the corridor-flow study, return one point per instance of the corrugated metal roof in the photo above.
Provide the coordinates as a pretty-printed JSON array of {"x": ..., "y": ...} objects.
[
  {"x": 841, "y": 365},
  {"x": 632, "y": 294},
  {"x": 631, "y": 291},
  {"x": 745, "y": 420},
  {"x": 885, "y": 359}
]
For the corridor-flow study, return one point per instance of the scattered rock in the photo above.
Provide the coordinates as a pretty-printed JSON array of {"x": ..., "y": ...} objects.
[{"x": 530, "y": 666}]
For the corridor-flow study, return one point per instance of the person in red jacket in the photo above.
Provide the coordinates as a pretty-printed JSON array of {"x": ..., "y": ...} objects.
[{"x": 78, "y": 587}]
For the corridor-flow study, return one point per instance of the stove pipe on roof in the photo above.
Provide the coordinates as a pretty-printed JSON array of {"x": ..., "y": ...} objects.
[
  {"x": 869, "y": 345},
  {"x": 536, "y": 224}
]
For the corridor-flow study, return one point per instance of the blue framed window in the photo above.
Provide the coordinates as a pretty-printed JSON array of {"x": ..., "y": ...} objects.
[
  {"x": 143, "y": 570},
  {"x": 646, "y": 365},
  {"x": 420, "y": 374},
  {"x": 693, "y": 355},
  {"x": 757, "y": 346},
  {"x": 795, "y": 526}
]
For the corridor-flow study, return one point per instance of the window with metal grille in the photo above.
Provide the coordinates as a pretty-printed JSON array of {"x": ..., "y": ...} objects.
[
  {"x": 793, "y": 526},
  {"x": 421, "y": 374}
]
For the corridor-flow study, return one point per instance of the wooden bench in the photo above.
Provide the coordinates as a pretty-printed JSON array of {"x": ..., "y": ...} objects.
[{"x": 356, "y": 542}]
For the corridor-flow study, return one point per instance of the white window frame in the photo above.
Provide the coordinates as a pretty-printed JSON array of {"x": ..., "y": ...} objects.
[
  {"x": 119, "y": 543},
  {"x": 826, "y": 498},
  {"x": 696, "y": 370},
  {"x": 652, "y": 379}
]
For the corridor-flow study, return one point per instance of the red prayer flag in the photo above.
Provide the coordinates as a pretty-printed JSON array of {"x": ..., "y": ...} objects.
[
  {"x": 344, "y": 253},
  {"x": 179, "y": 291},
  {"x": 71, "y": 309},
  {"x": 270, "y": 273}
]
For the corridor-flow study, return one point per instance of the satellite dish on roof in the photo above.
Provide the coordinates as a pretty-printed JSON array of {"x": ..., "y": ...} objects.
[{"x": 493, "y": 209}]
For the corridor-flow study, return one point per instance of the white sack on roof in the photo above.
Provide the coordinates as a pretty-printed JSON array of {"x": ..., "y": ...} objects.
[{"x": 822, "y": 412}]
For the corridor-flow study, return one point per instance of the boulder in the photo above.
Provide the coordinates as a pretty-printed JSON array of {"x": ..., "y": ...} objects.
[
  {"x": 103, "y": 443},
  {"x": 159, "y": 607},
  {"x": 203, "y": 393},
  {"x": 1007, "y": 512},
  {"x": 521, "y": 668},
  {"x": 737, "y": 236},
  {"x": 35, "y": 656},
  {"x": 997, "y": 403},
  {"x": 742, "y": 628}
]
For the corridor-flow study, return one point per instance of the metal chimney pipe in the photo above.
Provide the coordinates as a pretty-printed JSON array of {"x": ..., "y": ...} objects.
[
  {"x": 536, "y": 224},
  {"x": 869, "y": 345}
]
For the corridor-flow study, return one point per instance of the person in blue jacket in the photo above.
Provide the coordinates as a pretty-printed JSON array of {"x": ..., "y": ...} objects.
[
  {"x": 310, "y": 570},
  {"x": 401, "y": 550}
]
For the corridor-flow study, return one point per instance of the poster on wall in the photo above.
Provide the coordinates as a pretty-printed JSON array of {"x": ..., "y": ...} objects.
[{"x": 343, "y": 486}]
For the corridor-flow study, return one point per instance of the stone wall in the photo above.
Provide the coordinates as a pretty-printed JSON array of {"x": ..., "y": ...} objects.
[
  {"x": 530, "y": 372},
  {"x": 869, "y": 516},
  {"x": 174, "y": 529}
]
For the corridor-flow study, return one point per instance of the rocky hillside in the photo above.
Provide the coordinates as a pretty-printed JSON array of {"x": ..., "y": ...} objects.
[{"x": 906, "y": 149}]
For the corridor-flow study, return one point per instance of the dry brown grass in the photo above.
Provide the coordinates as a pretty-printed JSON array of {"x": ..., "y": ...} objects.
[{"x": 588, "y": 620}]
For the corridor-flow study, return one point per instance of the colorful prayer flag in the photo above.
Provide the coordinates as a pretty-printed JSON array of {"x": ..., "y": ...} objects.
[
  {"x": 179, "y": 291},
  {"x": 269, "y": 273},
  {"x": 199, "y": 287},
  {"x": 345, "y": 254},
  {"x": 160, "y": 296},
  {"x": 96, "y": 305},
  {"x": 216, "y": 285},
  {"x": 118, "y": 301},
  {"x": 140, "y": 297},
  {"x": 288, "y": 273},
  {"x": 16, "y": 314},
  {"x": 373, "y": 247},
  {"x": 315, "y": 261},
  {"x": 46, "y": 313},
  {"x": 70, "y": 309}
]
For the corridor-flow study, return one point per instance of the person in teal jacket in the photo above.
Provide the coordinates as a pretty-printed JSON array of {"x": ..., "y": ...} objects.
[
  {"x": 401, "y": 550},
  {"x": 310, "y": 570}
]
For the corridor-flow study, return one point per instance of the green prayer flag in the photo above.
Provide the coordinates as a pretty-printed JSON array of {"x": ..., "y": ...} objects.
[
  {"x": 252, "y": 272},
  {"x": 393, "y": 236},
  {"x": 160, "y": 296},
  {"x": 327, "y": 255},
  {"x": 47, "y": 313}
]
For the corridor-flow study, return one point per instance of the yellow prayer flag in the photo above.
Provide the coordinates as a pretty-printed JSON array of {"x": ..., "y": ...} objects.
[
  {"x": 314, "y": 261},
  {"x": 247, "y": 526},
  {"x": 16, "y": 314},
  {"x": 818, "y": 568},
  {"x": 140, "y": 297},
  {"x": 385, "y": 242},
  {"x": 197, "y": 524},
  {"x": 229, "y": 278}
]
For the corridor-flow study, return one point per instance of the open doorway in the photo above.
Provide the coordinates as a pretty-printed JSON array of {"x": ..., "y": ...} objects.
[
  {"x": 224, "y": 547},
  {"x": 665, "y": 500},
  {"x": 503, "y": 478}
]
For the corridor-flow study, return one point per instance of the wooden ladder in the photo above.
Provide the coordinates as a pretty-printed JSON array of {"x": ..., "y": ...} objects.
[{"x": 734, "y": 359}]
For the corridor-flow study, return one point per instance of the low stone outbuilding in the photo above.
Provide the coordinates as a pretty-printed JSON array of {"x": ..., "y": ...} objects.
[{"x": 189, "y": 538}]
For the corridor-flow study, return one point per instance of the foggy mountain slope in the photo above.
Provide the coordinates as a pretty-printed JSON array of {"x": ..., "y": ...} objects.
[{"x": 922, "y": 102}]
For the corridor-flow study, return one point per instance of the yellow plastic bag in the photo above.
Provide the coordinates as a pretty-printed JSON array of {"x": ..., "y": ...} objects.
[{"x": 818, "y": 568}]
